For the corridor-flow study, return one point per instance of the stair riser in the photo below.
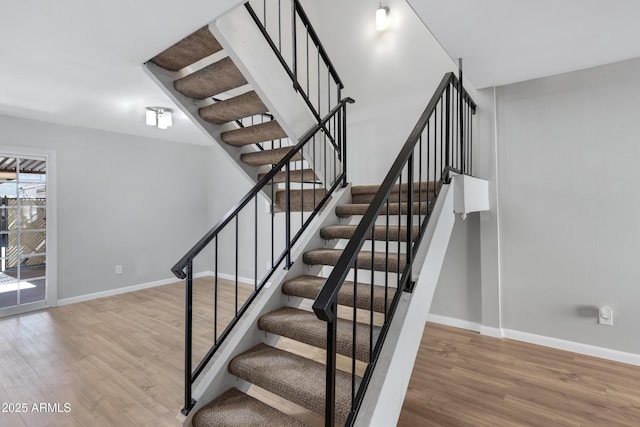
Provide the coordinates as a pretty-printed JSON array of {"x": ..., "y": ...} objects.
[
  {"x": 393, "y": 197},
  {"x": 305, "y": 327},
  {"x": 301, "y": 200},
  {"x": 345, "y": 211},
  {"x": 380, "y": 232},
  {"x": 295, "y": 176},
  {"x": 364, "y": 261}
]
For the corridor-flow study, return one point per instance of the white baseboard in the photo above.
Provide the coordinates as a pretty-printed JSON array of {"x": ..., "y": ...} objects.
[
  {"x": 231, "y": 278},
  {"x": 491, "y": 332},
  {"x": 123, "y": 290},
  {"x": 574, "y": 347},
  {"x": 456, "y": 323}
]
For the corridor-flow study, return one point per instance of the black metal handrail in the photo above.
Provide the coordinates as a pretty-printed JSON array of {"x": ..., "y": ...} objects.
[
  {"x": 444, "y": 127},
  {"x": 332, "y": 162},
  {"x": 309, "y": 81}
]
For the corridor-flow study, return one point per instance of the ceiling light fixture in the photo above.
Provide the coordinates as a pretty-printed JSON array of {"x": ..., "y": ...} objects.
[
  {"x": 382, "y": 18},
  {"x": 160, "y": 117}
]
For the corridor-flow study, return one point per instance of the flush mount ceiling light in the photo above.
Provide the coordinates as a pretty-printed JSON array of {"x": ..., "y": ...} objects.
[
  {"x": 382, "y": 18},
  {"x": 159, "y": 116}
]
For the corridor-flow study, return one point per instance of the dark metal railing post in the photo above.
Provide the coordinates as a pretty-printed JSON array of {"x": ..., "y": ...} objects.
[
  {"x": 460, "y": 114},
  {"x": 330, "y": 391},
  {"x": 188, "y": 339},
  {"x": 447, "y": 134},
  {"x": 294, "y": 44},
  {"x": 344, "y": 145},
  {"x": 288, "y": 214},
  {"x": 409, "y": 254}
]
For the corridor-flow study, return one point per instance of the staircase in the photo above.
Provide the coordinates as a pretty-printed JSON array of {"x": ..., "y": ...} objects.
[
  {"x": 337, "y": 280},
  {"x": 208, "y": 85},
  {"x": 301, "y": 379}
]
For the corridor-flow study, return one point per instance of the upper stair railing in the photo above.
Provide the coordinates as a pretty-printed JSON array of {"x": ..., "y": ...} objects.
[
  {"x": 238, "y": 240},
  {"x": 441, "y": 141},
  {"x": 290, "y": 34}
]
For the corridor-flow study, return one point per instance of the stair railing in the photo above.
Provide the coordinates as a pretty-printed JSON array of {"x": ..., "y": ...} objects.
[
  {"x": 289, "y": 32},
  {"x": 241, "y": 233},
  {"x": 440, "y": 141}
]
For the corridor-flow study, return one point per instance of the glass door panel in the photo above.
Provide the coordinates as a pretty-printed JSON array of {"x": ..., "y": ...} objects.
[{"x": 23, "y": 229}]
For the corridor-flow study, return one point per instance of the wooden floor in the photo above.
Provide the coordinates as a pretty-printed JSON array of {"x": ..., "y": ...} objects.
[{"x": 117, "y": 361}]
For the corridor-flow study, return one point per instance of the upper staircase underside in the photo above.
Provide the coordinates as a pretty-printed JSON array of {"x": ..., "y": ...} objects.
[{"x": 209, "y": 86}]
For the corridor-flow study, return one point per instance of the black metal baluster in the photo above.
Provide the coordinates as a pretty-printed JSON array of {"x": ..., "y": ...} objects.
[
  {"x": 255, "y": 243},
  {"x": 294, "y": 44},
  {"x": 236, "y": 265},
  {"x": 330, "y": 392},
  {"x": 215, "y": 292},
  {"x": 420, "y": 182},
  {"x": 373, "y": 269},
  {"x": 386, "y": 263},
  {"x": 188, "y": 339},
  {"x": 447, "y": 121},
  {"x": 279, "y": 26},
  {"x": 273, "y": 214},
  {"x": 344, "y": 145},
  {"x": 460, "y": 90},
  {"x": 355, "y": 337},
  {"x": 288, "y": 214},
  {"x": 315, "y": 183},
  {"x": 399, "y": 229},
  {"x": 409, "y": 251}
]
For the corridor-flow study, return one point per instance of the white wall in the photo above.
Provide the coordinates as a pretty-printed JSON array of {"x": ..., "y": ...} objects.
[
  {"x": 568, "y": 178},
  {"x": 458, "y": 294},
  {"x": 122, "y": 199},
  {"x": 392, "y": 76}
]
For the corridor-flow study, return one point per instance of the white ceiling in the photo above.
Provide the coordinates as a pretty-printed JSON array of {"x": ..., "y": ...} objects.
[
  {"x": 506, "y": 41},
  {"x": 79, "y": 62}
]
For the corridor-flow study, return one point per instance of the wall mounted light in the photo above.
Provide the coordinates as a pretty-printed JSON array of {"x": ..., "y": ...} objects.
[
  {"x": 160, "y": 117},
  {"x": 382, "y": 18}
]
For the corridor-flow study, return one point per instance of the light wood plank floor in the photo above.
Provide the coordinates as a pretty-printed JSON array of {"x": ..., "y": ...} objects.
[
  {"x": 462, "y": 378},
  {"x": 118, "y": 362}
]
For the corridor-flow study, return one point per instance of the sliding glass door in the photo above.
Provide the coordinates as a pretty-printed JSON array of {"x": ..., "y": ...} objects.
[{"x": 23, "y": 234}]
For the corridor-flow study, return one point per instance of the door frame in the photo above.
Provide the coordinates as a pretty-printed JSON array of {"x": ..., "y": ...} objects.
[{"x": 49, "y": 156}]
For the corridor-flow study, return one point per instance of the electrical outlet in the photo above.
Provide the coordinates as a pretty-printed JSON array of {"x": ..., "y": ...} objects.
[
  {"x": 118, "y": 269},
  {"x": 605, "y": 316}
]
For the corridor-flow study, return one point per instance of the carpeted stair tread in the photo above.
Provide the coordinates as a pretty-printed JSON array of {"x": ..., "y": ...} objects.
[
  {"x": 246, "y": 105},
  {"x": 310, "y": 286},
  {"x": 366, "y": 193},
  {"x": 262, "y": 132},
  {"x": 212, "y": 80},
  {"x": 349, "y": 209},
  {"x": 331, "y": 257},
  {"x": 346, "y": 231},
  {"x": 191, "y": 49},
  {"x": 268, "y": 157},
  {"x": 298, "y": 175},
  {"x": 301, "y": 200},
  {"x": 234, "y": 408},
  {"x": 304, "y": 326},
  {"x": 295, "y": 378}
]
